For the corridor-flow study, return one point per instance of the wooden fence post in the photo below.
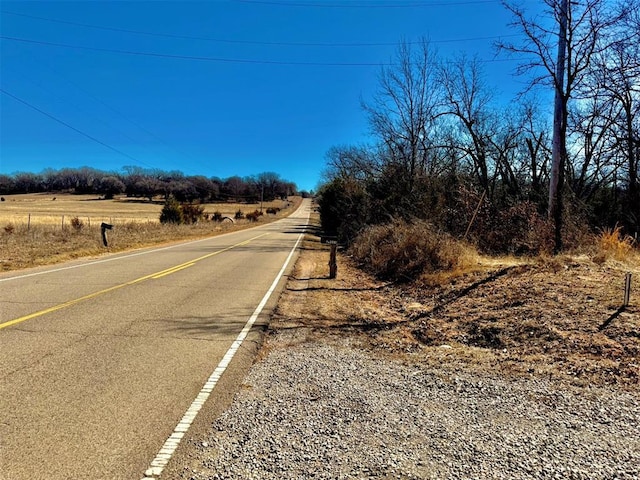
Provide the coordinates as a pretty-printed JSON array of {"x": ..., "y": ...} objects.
[{"x": 333, "y": 262}]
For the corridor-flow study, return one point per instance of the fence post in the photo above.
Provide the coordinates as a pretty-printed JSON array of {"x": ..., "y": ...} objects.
[
  {"x": 29, "y": 223},
  {"x": 627, "y": 289},
  {"x": 333, "y": 262}
]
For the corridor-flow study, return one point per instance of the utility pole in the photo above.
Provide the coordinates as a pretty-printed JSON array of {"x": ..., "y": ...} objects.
[{"x": 559, "y": 146}]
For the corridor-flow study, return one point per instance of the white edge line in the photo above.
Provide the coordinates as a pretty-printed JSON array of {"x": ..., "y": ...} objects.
[
  {"x": 171, "y": 444},
  {"x": 145, "y": 252}
]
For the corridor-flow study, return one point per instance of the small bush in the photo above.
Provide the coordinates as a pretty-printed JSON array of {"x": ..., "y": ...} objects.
[
  {"x": 192, "y": 212},
  {"x": 253, "y": 216},
  {"x": 239, "y": 215},
  {"x": 171, "y": 212},
  {"x": 217, "y": 216},
  {"x": 404, "y": 251},
  {"x": 77, "y": 224},
  {"x": 9, "y": 228},
  {"x": 613, "y": 243},
  {"x": 273, "y": 210}
]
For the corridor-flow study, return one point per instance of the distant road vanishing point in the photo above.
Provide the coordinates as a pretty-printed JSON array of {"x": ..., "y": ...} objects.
[{"x": 104, "y": 363}]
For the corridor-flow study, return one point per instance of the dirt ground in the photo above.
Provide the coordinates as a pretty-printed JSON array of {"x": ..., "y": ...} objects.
[{"x": 558, "y": 318}]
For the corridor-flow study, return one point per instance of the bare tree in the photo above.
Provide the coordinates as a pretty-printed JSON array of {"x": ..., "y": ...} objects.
[
  {"x": 355, "y": 162},
  {"x": 402, "y": 112},
  {"x": 576, "y": 28},
  {"x": 466, "y": 101},
  {"x": 536, "y": 153},
  {"x": 616, "y": 81}
]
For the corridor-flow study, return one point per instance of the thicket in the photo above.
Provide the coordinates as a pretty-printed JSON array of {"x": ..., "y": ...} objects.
[{"x": 447, "y": 154}]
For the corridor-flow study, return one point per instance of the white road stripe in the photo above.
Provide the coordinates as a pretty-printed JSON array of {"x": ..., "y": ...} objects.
[{"x": 171, "y": 444}]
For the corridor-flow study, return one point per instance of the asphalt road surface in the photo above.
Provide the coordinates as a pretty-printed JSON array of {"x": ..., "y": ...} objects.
[{"x": 103, "y": 361}]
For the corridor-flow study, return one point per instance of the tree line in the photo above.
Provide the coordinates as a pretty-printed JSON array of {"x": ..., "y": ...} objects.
[
  {"x": 138, "y": 182},
  {"x": 447, "y": 151}
]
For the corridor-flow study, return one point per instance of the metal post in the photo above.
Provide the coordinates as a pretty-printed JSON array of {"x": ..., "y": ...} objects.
[{"x": 627, "y": 289}]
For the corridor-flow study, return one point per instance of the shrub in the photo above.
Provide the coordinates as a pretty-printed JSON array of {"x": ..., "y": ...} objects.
[
  {"x": 518, "y": 229},
  {"x": 239, "y": 215},
  {"x": 217, "y": 216},
  {"x": 192, "y": 212},
  {"x": 613, "y": 243},
  {"x": 77, "y": 224},
  {"x": 273, "y": 210},
  {"x": 253, "y": 216},
  {"x": 343, "y": 206},
  {"x": 171, "y": 211},
  {"x": 9, "y": 228},
  {"x": 403, "y": 251}
]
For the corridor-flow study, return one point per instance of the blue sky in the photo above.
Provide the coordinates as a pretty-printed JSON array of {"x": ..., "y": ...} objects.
[{"x": 255, "y": 99}]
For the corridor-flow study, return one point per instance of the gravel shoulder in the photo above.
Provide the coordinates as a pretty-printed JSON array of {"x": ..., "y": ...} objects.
[{"x": 346, "y": 387}]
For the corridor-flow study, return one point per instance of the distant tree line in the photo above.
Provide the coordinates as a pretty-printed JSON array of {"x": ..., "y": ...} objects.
[
  {"x": 138, "y": 182},
  {"x": 447, "y": 151}
]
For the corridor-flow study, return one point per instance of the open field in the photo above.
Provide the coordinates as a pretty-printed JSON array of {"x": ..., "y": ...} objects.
[
  {"x": 38, "y": 230},
  {"x": 57, "y": 209}
]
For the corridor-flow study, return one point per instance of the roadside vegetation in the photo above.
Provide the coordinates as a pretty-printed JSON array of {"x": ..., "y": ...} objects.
[
  {"x": 474, "y": 232},
  {"x": 556, "y": 317},
  {"x": 446, "y": 152}
]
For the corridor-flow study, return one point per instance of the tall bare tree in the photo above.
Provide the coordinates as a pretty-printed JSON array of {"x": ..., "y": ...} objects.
[
  {"x": 576, "y": 29},
  {"x": 466, "y": 102},
  {"x": 616, "y": 80},
  {"x": 402, "y": 112}
]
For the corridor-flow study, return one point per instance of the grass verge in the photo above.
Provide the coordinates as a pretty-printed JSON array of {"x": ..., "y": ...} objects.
[{"x": 557, "y": 317}]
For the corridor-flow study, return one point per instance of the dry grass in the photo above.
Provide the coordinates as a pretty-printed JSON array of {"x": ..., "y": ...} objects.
[
  {"x": 612, "y": 243},
  {"x": 402, "y": 250},
  {"x": 136, "y": 225},
  {"x": 49, "y": 209},
  {"x": 554, "y": 317}
]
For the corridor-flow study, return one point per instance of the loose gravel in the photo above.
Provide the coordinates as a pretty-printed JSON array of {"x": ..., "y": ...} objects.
[{"x": 332, "y": 411}]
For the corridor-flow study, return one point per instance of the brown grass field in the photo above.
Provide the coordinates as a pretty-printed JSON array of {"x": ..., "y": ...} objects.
[{"x": 41, "y": 229}]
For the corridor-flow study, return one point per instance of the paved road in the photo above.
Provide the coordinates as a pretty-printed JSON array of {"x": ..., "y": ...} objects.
[{"x": 100, "y": 360}]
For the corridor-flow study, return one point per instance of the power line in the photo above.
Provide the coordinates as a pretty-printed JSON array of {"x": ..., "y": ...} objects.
[
  {"x": 120, "y": 152},
  {"x": 191, "y": 57},
  {"x": 247, "y": 42},
  {"x": 366, "y": 5},
  {"x": 215, "y": 59},
  {"x": 119, "y": 113}
]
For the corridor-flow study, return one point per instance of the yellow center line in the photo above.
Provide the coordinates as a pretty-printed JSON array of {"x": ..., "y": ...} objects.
[
  {"x": 155, "y": 275},
  {"x": 173, "y": 270}
]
